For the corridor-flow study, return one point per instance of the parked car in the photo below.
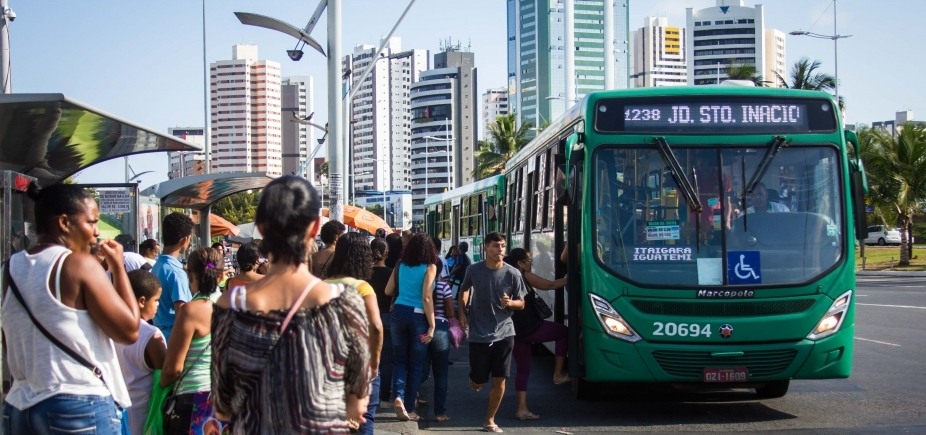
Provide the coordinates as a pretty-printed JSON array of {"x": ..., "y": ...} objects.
[{"x": 882, "y": 235}]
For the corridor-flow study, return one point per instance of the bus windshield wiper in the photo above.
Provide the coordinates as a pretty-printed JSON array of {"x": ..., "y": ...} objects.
[
  {"x": 777, "y": 144},
  {"x": 694, "y": 202}
]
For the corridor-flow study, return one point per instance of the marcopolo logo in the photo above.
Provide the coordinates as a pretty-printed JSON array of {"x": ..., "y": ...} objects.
[{"x": 726, "y": 294}]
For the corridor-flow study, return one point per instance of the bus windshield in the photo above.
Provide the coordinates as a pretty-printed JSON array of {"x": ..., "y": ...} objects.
[{"x": 787, "y": 230}]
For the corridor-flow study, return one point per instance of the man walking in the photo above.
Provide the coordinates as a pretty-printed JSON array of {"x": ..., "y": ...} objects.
[
  {"x": 177, "y": 231},
  {"x": 497, "y": 288}
]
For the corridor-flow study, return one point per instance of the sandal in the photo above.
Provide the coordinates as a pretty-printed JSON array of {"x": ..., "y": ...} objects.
[
  {"x": 400, "y": 410},
  {"x": 413, "y": 416},
  {"x": 527, "y": 416},
  {"x": 563, "y": 380},
  {"x": 492, "y": 428},
  {"x": 443, "y": 418}
]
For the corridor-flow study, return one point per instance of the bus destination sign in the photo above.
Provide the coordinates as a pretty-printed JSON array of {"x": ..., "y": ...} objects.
[
  {"x": 713, "y": 116},
  {"x": 716, "y": 116}
]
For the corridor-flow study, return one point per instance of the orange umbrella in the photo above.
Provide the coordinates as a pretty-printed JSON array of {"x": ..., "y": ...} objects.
[
  {"x": 218, "y": 226},
  {"x": 361, "y": 219}
]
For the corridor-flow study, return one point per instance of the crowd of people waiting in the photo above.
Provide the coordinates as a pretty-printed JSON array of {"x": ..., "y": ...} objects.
[{"x": 296, "y": 340}]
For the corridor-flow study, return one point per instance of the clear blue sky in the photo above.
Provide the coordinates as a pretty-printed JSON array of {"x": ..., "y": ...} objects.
[{"x": 143, "y": 60}]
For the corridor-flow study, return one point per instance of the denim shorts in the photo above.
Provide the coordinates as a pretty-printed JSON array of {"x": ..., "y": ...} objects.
[{"x": 65, "y": 413}]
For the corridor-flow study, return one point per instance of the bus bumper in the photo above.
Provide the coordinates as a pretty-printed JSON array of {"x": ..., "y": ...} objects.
[{"x": 608, "y": 359}]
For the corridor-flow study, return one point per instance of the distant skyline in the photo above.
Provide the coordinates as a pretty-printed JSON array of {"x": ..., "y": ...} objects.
[{"x": 143, "y": 61}]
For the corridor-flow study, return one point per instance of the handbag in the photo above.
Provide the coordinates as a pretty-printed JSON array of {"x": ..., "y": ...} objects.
[
  {"x": 541, "y": 309},
  {"x": 171, "y": 398},
  {"x": 70, "y": 352}
]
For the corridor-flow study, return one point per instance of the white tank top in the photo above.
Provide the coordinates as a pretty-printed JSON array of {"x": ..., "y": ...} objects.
[{"x": 39, "y": 368}]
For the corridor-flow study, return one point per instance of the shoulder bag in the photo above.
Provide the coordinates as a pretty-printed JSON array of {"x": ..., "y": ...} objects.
[
  {"x": 541, "y": 309},
  {"x": 76, "y": 356}
]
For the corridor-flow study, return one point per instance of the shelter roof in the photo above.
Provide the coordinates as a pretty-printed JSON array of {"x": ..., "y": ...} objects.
[
  {"x": 50, "y": 136},
  {"x": 199, "y": 191}
]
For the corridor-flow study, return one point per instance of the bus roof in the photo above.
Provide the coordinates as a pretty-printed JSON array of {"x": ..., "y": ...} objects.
[{"x": 477, "y": 186}]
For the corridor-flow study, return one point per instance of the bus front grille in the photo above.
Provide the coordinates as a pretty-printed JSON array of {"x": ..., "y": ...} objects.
[
  {"x": 691, "y": 364},
  {"x": 722, "y": 309}
]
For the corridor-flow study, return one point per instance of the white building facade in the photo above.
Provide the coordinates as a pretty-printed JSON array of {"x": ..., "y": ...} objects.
[
  {"x": 659, "y": 54},
  {"x": 379, "y": 115},
  {"x": 731, "y": 34},
  {"x": 246, "y": 114},
  {"x": 186, "y": 163},
  {"x": 494, "y": 104}
]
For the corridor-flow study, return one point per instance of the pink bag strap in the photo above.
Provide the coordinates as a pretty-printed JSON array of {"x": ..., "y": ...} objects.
[{"x": 298, "y": 303}]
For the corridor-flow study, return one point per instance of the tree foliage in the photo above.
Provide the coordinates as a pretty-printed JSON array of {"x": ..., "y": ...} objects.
[
  {"x": 744, "y": 71},
  {"x": 803, "y": 75},
  {"x": 897, "y": 182},
  {"x": 505, "y": 139},
  {"x": 238, "y": 208}
]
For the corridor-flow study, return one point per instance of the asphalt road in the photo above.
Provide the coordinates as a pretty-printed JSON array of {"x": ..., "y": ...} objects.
[{"x": 885, "y": 394}]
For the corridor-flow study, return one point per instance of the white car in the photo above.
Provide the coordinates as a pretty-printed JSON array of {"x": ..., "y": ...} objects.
[{"x": 882, "y": 235}]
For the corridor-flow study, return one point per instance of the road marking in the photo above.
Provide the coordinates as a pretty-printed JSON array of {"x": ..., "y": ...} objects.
[
  {"x": 876, "y": 341},
  {"x": 895, "y": 306}
]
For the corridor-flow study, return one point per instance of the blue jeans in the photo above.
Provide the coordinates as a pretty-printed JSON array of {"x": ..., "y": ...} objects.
[
  {"x": 370, "y": 415},
  {"x": 408, "y": 353},
  {"x": 385, "y": 360},
  {"x": 65, "y": 413},
  {"x": 438, "y": 360}
]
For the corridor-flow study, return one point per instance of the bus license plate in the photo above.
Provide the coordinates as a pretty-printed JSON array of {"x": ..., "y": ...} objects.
[{"x": 726, "y": 374}]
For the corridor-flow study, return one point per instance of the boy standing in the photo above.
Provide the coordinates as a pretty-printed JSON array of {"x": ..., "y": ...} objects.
[
  {"x": 497, "y": 289},
  {"x": 177, "y": 231}
]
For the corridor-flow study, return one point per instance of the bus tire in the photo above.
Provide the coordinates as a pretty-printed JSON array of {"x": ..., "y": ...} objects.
[
  {"x": 773, "y": 389},
  {"x": 586, "y": 390}
]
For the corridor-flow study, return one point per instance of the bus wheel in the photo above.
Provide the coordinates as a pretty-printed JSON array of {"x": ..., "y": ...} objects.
[
  {"x": 774, "y": 389},
  {"x": 585, "y": 390}
]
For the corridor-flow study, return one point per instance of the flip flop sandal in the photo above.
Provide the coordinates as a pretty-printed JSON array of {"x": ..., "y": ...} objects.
[
  {"x": 527, "y": 416},
  {"x": 492, "y": 428},
  {"x": 441, "y": 418},
  {"x": 400, "y": 410},
  {"x": 563, "y": 381}
]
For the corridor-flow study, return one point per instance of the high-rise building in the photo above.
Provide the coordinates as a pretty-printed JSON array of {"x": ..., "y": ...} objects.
[
  {"x": 659, "y": 54},
  {"x": 246, "y": 132},
  {"x": 186, "y": 163},
  {"x": 444, "y": 125},
  {"x": 732, "y": 34},
  {"x": 494, "y": 104},
  {"x": 560, "y": 50},
  {"x": 298, "y": 138},
  {"x": 379, "y": 115}
]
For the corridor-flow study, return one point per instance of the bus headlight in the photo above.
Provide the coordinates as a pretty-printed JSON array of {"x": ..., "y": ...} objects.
[
  {"x": 832, "y": 320},
  {"x": 612, "y": 322}
]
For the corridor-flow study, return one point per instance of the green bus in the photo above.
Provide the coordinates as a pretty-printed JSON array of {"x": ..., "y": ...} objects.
[
  {"x": 465, "y": 214},
  {"x": 711, "y": 232}
]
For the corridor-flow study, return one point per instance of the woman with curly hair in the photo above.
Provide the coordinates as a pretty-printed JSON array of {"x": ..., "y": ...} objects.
[
  {"x": 412, "y": 320},
  {"x": 352, "y": 265},
  {"x": 189, "y": 349}
]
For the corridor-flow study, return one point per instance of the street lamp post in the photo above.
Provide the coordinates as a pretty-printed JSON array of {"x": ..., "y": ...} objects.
[{"x": 835, "y": 37}]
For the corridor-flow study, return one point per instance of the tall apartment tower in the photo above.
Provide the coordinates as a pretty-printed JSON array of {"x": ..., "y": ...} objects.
[
  {"x": 494, "y": 104},
  {"x": 731, "y": 34},
  {"x": 560, "y": 50},
  {"x": 379, "y": 115},
  {"x": 246, "y": 133},
  {"x": 186, "y": 163},
  {"x": 659, "y": 54},
  {"x": 444, "y": 126},
  {"x": 298, "y": 139}
]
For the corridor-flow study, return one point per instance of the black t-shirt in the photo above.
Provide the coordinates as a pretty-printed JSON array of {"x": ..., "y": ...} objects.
[
  {"x": 464, "y": 261},
  {"x": 378, "y": 281}
]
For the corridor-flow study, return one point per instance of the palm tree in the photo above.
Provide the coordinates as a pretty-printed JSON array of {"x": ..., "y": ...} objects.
[
  {"x": 505, "y": 140},
  {"x": 803, "y": 75},
  {"x": 744, "y": 71},
  {"x": 894, "y": 164}
]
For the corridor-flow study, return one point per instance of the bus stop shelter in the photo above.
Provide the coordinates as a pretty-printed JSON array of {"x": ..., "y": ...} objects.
[
  {"x": 199, "y": 192},
  {"x": 49, "y": 137}
]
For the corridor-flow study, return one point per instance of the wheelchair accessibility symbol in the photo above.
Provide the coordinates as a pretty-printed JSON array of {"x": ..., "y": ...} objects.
[{"x": 743, "y": 267}]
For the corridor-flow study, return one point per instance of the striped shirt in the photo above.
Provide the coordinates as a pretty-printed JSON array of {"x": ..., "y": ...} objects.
[{"x": 441, "y": 291}]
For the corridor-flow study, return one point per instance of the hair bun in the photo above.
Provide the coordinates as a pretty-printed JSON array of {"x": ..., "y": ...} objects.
[{"x": 34, "y": 191}]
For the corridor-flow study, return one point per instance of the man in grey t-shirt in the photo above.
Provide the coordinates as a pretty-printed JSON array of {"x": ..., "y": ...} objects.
[{"x": 497, "y": 288}]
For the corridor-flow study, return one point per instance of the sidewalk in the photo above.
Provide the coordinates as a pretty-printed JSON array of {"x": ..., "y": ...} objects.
[
  {"x": 891, "y": 273},
  {"x": 466, "y": 408}
]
